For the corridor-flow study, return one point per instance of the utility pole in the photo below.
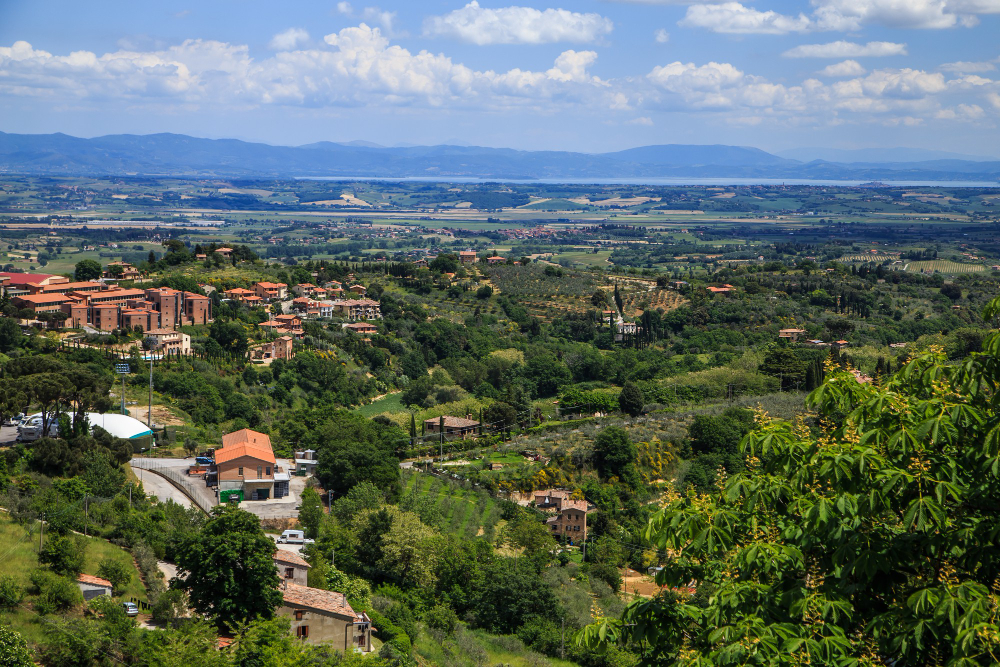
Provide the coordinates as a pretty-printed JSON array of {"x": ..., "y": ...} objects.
[
  {"x": 41, "y": 531},
  {"x": 86, "y": 514},
  {"x": 562, "y": 651},
  {"x": 149, "y": 419}
]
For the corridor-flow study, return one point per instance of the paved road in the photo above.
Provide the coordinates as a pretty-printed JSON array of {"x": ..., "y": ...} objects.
[
  {"x": 8, "y": 434},
  {"x": 160, "y": 487}
]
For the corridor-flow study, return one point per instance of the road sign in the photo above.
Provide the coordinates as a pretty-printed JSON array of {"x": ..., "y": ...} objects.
[{"x": 123, "y": 368}]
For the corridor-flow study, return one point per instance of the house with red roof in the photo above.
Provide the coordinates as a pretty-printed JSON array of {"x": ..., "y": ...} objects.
[
  {"x": 319, "y": 616},
  {"x": 245, "y": 468}
]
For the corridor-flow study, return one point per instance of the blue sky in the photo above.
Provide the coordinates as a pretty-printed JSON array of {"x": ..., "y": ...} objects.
[{"x": 576, "y": 75}]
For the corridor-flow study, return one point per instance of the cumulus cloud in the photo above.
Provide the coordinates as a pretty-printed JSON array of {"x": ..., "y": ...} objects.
[
  {"x": 360, "y": 66},
  {"x": 641, "y": 120},
  {"x": 289, "y": 39},
  {"x": 345, "y": 8},
  {"x": 846, "y": 68},
  {"x": 661, "y": 36},
  {"x": 518, "y": 25},
  {"x": 842, "y": 49},
  {"x": 733, "y": 17},
  {"x": 380, "y": 17}
]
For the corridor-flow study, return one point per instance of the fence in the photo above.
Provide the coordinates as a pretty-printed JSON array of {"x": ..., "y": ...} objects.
[{"x": 194, "y": 489}]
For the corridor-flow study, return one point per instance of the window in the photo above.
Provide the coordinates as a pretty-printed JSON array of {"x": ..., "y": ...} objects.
[
  {"x": 302, "y": 632},
  {"x": 240, "y": 471},
  {"x": 290, "y": 574},
  {"x": 298, "y": 614},
  {"x": 259, "y": 473},
  {"x": 268, "y": 471}
]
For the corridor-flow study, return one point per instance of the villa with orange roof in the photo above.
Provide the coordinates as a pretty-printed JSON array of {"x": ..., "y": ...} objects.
[{"x": 245, "y": 468}]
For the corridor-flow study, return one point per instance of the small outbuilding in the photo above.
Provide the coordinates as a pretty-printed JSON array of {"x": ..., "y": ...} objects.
[{"x": 93, "y": 587}]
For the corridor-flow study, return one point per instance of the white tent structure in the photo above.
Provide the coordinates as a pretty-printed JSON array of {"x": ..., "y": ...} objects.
[{"x": 120, "y": 426}]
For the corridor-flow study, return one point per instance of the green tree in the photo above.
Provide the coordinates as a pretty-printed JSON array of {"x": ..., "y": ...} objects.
[
  {"x": 870, "y": 540},
  {"x": 115, "y": 571},
  {"x": 614, "y": 455},
  {"x": 310, "y": 512},
  {"x": 228, "y": 570},
  {"x": 353, "y": 449},
  {"x": 10, "y": 334},
  {"x": 87, "y": 269},
  {"x": 230, "y": 335},
  {"x": 484, "y": 292},
  {"x": 630, "y": 400},
  {"x": 64, "y": 554}
]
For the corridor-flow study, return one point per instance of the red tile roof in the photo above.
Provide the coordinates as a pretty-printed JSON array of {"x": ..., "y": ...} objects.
[
  {"x": 245, "y": 443},
  {"x": 93, "y": 581},
  {"x": 26, "y": 278},
  {"x": 317, "y": 598},
  {"x": 284, "y": 556}
]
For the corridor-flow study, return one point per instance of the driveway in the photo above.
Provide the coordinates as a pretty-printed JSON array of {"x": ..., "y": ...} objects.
[
  {"x": 176, "y": 471},
  {"x": 158, "y": 486}
]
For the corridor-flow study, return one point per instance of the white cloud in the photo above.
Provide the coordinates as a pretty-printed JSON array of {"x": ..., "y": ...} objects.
[
  {"x": 661, "y": 36},
  {"x": 289, "y": 39},
  {"x": 840, "y": 15},
  {"x": 967, "y": 67},
  {"x": 384, "y": 19},
  {"x": 842, "y": 49},
  {"x": 518, "y": 25},
  {"x": 345, "y": 8},
  {"x": 641, "y": 120},
  {"x": 733, "y": 17},
  {"x": 961, "y": 112},
  {"x": 360, "y": 67},
  {"x": 846, "y": 68}
]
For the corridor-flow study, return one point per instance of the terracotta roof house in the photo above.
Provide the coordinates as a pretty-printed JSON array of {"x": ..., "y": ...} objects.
[
  {"x": 318, "y": 616},
  {"x": 245, "y": 468},
  {"x": 454, "y": 427},
  {"x": 92, "y": 586},
  {"x": 292, "y": 567},
  {"x": 361, "y": 328}
]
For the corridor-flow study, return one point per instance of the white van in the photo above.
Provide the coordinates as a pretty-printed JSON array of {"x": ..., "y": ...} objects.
[{"x": 294, "y": 537}]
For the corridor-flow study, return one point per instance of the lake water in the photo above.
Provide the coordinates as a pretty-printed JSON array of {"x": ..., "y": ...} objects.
[{"x": 653, "y": 180}]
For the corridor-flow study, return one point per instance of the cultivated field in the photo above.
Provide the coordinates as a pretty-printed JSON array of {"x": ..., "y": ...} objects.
[{"x": 943, "y": 266}]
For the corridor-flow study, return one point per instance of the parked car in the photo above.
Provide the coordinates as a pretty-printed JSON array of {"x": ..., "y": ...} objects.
[
  {"x": 131, "y": 608},
  {"x": 15, "y": 420},
  {"x": 203, "y": 461},
  {"x": 294, "y": 537}
]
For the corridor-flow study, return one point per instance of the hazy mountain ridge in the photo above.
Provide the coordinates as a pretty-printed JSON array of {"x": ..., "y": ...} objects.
[{"x": 182, "y": 155}]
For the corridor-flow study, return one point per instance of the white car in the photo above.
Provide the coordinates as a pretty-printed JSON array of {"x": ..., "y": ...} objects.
[{"x": 131, "y": 608}]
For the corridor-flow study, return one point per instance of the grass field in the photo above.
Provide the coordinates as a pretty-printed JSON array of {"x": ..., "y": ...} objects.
[
  {"x": 472, "y": 648},
  {"x": 388, "y": 403},
  {"x": 944, "y": 266},
  {"x": 19, "y": 557},
  {"x": 588, "y": 259},
  {"x": 462, "y": 511}
]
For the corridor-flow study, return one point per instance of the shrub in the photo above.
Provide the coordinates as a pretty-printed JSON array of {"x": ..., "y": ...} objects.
[
  {"x": 119, "y": 574},
  {"x": 11, "y": 592},
  {"x": 54, "y": 593},
  {"x": 64, "y": 555},
  {"x": 441, "y": 617},
  {"x": 13, "y": 649},
  {"x": 169, "y": 607}
]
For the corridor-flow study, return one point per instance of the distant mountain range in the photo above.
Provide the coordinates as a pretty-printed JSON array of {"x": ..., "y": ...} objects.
[{"x": 181, "y": 155}]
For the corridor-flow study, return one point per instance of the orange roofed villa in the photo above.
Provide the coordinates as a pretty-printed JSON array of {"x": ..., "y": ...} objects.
[{"x": 245, "y": 468}]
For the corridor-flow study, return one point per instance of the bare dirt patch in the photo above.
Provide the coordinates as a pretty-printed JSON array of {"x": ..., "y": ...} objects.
[{"x": 162, "y": 415}]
